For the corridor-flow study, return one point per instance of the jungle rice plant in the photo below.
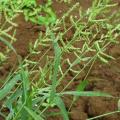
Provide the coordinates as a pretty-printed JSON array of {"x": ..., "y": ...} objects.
[{"x": 28, "y": 98}]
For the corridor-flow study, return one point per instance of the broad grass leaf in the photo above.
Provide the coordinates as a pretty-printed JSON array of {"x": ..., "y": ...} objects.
[
  {"x": 33, "y": 114},
  {"x": 12, "y": 98},
  {"x": 25, "y": 82},
  {"x": 57, "y": 59},
  {"x": 26, "y": 93},
  {"x": 8, "y": 87}
]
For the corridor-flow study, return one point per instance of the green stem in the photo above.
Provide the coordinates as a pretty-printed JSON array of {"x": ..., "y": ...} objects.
[{"x": 103, "y": 115}]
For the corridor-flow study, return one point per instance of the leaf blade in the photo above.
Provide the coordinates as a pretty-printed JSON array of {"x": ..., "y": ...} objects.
[{"x": 59, "y": 102}]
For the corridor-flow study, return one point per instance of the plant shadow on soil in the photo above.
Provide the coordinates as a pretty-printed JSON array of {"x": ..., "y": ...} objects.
[{"x": 105, "y": 78}]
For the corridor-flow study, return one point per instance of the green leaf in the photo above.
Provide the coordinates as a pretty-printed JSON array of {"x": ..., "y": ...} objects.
[
  {"x": 7, "y": 43},
  {"x": 82, "y": 85},
  {"x": 97, "y": 46},
  {"x": 57, "y": 59},
  {"x": 8, "y": 87},
  {"x": 59, "y": 102},
  {"x": 29, "y": 3},
  {"x": 26, "y": 92},
  {"x": 79, "y": 88},
  {"x": 86, "y": 93},
  {"x": 12, "y": 98},
  {"x": 25, "y": 83},
  {"x": 33, "y": 114}
]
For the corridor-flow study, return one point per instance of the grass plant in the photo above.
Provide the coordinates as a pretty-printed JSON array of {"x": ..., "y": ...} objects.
[{"x": 29, "y": 99}]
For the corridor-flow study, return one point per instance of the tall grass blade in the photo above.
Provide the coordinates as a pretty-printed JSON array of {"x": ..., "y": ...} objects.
[
  {"x": 26, "y": 93},
  {"x": 59, "y": 102},
  {"x": 86, "y": 93},
  {"x": 57, "y": 59}
]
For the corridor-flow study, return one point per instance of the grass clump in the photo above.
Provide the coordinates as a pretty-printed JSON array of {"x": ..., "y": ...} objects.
[{"x": 31, "y": 90}]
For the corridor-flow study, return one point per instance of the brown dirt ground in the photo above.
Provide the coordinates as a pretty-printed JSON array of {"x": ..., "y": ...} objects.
[{"x": 104, "y": 78}]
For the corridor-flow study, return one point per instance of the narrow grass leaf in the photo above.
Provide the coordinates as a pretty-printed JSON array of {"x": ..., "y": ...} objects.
[
  {"x": 79, "y": 88},
  {"x": 107, "y": 56},
  {"x": 86, "y": 93},
  {"x": 103, "y": 115},
  {"x": 7, "y": 43},
  {"x": 102, "y": 59},
  {"x": 59, "y": 102},
  {"x": 82, "y": 85}
]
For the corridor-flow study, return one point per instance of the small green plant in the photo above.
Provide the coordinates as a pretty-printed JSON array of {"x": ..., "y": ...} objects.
[{"x": 32, "y": 12}]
